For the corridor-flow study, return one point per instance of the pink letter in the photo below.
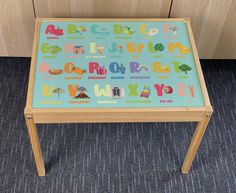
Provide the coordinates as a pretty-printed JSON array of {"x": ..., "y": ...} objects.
[
  {"x": 93, "y": 66},
  {"x": 181, "y": 89},
  {"x": 44, "y": 67},
  {"x": 159, "y": 89},
  {"x": 68, "y": 48},
  {"x": 192, "y": 91},
  {"x": 166, "y": 28}
]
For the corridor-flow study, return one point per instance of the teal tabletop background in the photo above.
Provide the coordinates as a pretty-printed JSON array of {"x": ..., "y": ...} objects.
[{"x": 77, "y": 68}]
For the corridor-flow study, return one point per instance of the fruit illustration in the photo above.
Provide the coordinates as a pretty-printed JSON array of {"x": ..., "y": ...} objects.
[{"x": 168, "y": 89}]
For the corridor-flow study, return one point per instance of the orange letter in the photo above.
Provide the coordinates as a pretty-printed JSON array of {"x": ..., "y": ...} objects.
[
  {"x": 69, "y": 67},
  {"x": 73, "y": 90}
]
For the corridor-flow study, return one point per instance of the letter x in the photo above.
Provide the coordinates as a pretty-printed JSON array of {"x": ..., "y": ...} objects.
[{"x": 133, "y": 89}]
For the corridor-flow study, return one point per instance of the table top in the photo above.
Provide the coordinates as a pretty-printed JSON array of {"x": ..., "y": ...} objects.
[{"x": 115, "y": 63}]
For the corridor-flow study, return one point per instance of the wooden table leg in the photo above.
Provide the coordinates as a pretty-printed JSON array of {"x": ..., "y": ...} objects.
[
  {"x": 195, "y": 142},
  {"x": 34, "y": 139}
]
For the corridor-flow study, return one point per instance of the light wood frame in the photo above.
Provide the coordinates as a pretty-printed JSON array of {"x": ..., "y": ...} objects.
[{"x": 94, "y": 115}]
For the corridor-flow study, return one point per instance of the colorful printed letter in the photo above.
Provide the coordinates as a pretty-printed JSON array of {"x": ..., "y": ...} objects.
[
  {"x": 176, "y": 66},
  {"x": 92, "y": 47},
  {"x": 159, "y": 89},
  {"x": 47, "y": 91},
  {"x": 73, "y": 89},
  {"x": 166, "y": 28},
  {"x": 157, "y": 67},
  {"x": 44, "y": 67},
  {"x": 143, "y": 28},
  {"x": 93, "y": 66},
  {"x": 114, "y": 67},
  {"x": 136, "y": 67},
  {"x": 105, "y": 92},
  {"x": 69, "y": 67},
  {"x": 51, "y": 29},
  {"x": 181, "y": 89},
  {"x": 68, "y": 48},
  {"x": 114, "y": 48},
  {"x": 133, "y": 89},
  {"x": 151, "y": 48},
  {"x": 192, "y": 91},
  {"x": 71, "y": 29},
  {"x": 131, "y": 47},
  {"x": 182, "y": 49},
  {"x": 118, "y": 29}
]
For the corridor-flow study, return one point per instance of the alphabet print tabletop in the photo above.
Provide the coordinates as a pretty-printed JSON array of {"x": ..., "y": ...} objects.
[{"x": 115, "y": 63}]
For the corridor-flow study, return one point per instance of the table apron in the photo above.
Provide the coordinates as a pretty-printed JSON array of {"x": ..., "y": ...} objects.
[{"x": 95, "y": 117}]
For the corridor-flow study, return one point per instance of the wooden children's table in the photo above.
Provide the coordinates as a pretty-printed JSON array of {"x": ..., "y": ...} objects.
[{"x": 115, "y": 70}]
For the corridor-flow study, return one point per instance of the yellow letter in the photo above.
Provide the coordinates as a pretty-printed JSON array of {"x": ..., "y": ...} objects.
[
  {"x": 47, "y": 92},
  {"x": 143, "y": 28}
]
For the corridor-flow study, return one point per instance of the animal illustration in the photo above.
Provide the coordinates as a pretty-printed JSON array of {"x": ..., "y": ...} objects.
[
  {"x": 81, "y": 29},
  {"x": 129, "y": 30},
  {"x": 78, "y": 70},
  {"x": 174, "y": 29}
]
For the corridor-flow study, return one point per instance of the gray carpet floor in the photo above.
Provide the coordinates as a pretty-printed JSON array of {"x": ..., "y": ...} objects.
[{"x": 124, "y": 157}]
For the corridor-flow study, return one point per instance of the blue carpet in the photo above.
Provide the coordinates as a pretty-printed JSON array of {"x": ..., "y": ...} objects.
[{"x": 125, "y": 157}]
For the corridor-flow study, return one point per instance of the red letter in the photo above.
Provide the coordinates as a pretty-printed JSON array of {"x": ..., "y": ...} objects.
[
  {"x": 93, "y": 66},
  {"x": 159, "y": 89},
  {"x": 50, "y": 29}
]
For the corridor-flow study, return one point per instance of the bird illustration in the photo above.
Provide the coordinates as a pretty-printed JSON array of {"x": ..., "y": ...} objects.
[{"x": 129, "y": 30}]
